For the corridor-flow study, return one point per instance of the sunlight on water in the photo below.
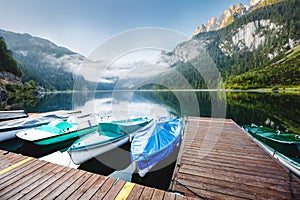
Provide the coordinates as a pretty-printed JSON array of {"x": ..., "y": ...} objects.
[{"x": 122, "y": 106}]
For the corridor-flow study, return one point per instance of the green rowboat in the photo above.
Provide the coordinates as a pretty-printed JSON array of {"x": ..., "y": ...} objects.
[
  {"x": 283, "y": 142},
  {"x": 124, "y": 126}
]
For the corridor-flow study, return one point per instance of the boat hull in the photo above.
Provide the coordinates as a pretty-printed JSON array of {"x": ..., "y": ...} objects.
[
  {"x": 8, "y": 135},
  {"x": 82, "y": 155},
  {"x": 288, "y": 148},
  {"x": 12, "y": 114},
  {"x": 65, "y": 137},
  {"x": 124, "y": 126},
  {"x": 109, "y": 136}
]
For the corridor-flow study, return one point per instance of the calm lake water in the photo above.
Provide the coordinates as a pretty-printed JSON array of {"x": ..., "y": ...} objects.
[{"x": 277, "y": 110}]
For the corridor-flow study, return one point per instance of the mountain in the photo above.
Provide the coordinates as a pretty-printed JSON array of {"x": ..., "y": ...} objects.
[
  {"x": 49, "y": 65},
  {"x": 258, "y": 49},
  {"x": 232, "y": 13}
]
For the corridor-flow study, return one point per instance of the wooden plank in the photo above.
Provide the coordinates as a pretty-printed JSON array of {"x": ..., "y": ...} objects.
[
  {"x": 35, "y": 183},
  {"x": 48, "y": 183},
  {"x": 231, "y": 156},
  {"x": 158, "y": 194},
  {"x": 262, "y": 182},
  {"x": 84, "y": 187},
  {"x": 179, "y": 197},
  {"x": 228, "y": 161},
  {"x": 94, "y": 187},
  {"x": 236, "y": 168},
  {"x": 230, "y": 188},
  {"x": 18, "y": 186},
  {"x": 206, "y": 150},
  {"x": 125, "y": 191},
  {"x": 169, "y": 196},
  {"x": 232, "y": 159},
  {"x": 136, "y": 192},
  {"x": 3, "y": 171},
  {"x": 203, "y": 194},
  {"x": 147, "y": 193},
  {"x": 65, "y": 192},
  {"x": 243, "y": 153},
  {"x": 8, "y": 162},
  {"x": 101, "y": 192},
  {"x": 60, "y": 185},
  {"x": 16, "y": 175},
  {"x": 9, "y": 158},
  {"x": 114, "y": 190},
  {"x": 193, "y": 184}
]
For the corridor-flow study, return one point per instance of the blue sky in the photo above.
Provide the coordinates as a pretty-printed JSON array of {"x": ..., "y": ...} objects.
[{"x": 81, "y": 25}]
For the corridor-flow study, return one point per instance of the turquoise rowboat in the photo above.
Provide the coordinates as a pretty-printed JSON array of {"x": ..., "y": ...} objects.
[
  {"x": 109, "y": 136},
  {"x": 124, "y": 126},
  {"x": 283, "y": 142},
  {"x": 59, "y": 131}
]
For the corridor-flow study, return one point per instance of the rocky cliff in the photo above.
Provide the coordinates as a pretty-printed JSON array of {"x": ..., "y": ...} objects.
[
  {"x": 232, "y": 13},
  {"x": 7, "y": 78}
]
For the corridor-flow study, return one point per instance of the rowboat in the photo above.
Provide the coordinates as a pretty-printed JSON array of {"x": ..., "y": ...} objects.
[
  {"x": 60, "y": 130},
  {"x": 124, "y": 126},
  {"x": 283, "y": 142},
  {"x": 12, "y": 114},
  {"x": 9, "y": 130},
  {"x": 154, "y": 143},
  {"x": 109, "y": 136}
]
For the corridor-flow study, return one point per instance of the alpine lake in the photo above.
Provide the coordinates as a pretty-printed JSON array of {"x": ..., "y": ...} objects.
[{"x": 279, "y": 110}]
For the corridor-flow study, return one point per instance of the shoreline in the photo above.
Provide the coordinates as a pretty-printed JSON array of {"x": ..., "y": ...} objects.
[{"x": 280, "y": 90}]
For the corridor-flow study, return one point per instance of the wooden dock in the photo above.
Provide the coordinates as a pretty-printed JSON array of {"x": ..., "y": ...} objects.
[
  {"x": 23, "y": 177},
  {"x": 218, "y": 160}
]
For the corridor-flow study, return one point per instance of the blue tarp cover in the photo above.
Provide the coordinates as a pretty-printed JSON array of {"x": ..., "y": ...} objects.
[{"x": 156, "y": 141}]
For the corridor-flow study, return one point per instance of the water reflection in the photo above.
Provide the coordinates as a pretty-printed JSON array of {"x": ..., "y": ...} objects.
[
  {"x": 121, "y": 105},
  {"x": 279, "y": 110}
]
